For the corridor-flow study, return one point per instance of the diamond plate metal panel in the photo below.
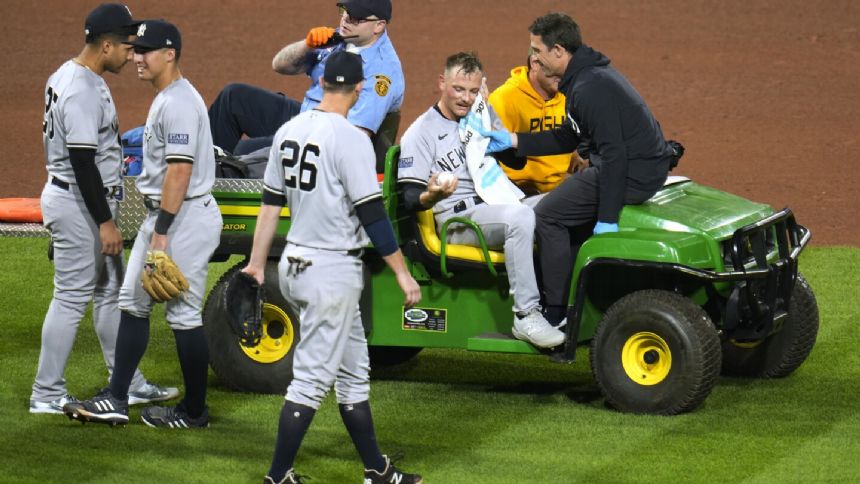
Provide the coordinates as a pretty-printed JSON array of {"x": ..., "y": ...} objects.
[{"x": 23, "y": 230}]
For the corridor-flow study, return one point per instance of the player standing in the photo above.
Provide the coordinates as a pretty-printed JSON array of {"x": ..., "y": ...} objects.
[
  {"x": 183, "y": 220},
  {"x": 317, "y": 167},
  {"x": 79, "y": 205}
]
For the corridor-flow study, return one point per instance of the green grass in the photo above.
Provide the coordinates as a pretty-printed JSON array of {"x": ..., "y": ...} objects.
[{"x": 456, "y": 416}]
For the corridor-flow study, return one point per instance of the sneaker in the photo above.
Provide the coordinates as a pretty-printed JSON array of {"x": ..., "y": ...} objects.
[
  {"x": 173, "y": 417},
  {"x": 54, "y": 407},
  {"x": 535, "y": 329},
  {"x": 290, "y": 478},
  {"x": 102, "y": 408},
  {"x": 391, "y": 475},
  {"x": 151, "y": 393}
]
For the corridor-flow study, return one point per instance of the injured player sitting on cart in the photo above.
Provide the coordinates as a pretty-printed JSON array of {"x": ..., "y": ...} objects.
[{"x": 440, "y": 144}]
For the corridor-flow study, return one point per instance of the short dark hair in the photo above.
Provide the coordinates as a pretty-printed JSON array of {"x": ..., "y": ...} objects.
[
  {"x": 557, "y": 28},
  {"x": 336, "y": 88},
  {"x": 114, "y": 37},
  {"x": 465, "y": 62}
]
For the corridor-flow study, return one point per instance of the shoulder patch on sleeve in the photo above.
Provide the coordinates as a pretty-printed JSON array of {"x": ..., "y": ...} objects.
[
  {"x": 382, "y": 86},
  {"x": 177, "y": 138},
  {"x": 405, "y": 162}
]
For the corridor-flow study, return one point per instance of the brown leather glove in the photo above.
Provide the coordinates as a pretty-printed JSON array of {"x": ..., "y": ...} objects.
[{"x": 319, "y": 36}]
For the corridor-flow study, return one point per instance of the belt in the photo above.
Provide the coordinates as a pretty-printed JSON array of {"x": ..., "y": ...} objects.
[
  {"x": 355, "y": 252},
  {"x": 154, "y": 204},
  {"x": 109, "y": 191},
  {"x": 462, "y": 205}
]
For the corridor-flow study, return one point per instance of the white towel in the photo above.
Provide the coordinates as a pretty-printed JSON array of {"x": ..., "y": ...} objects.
[{"x": 491, "y": 182}]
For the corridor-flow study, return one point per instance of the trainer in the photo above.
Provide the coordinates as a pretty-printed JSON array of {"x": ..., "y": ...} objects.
[
  {"x": 241, "y": 109},
  {"x": 631, "y": 157}
]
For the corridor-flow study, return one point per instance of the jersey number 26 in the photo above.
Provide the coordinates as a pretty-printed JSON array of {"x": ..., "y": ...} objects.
[{"x": 305, "y": 175}]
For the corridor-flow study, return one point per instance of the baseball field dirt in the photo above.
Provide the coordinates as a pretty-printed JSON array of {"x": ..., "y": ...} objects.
[{"x": 763, "y": 93}]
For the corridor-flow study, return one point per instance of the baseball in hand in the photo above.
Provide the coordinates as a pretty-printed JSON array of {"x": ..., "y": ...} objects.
[{"x": 445, "y": 179}]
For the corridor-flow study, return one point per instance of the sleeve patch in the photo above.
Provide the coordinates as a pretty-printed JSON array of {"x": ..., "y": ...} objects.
[
  {"x": 177, "y": 138},
  {"x": 382, "y": 85},
  {"x": 405, "y": 162}
]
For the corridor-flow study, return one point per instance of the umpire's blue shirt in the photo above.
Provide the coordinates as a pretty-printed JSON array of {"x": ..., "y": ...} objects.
[{"x": 383, "y": 83}]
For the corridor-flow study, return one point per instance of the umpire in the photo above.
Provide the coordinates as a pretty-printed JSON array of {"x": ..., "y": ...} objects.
[{"x": 630, "y": 158}]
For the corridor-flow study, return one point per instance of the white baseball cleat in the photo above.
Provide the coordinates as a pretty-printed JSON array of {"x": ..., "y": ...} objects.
[{"x": 535, "y": 329}]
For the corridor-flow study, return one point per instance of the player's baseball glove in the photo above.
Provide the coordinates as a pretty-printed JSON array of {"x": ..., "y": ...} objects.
[
  {"x": 243, "y": 298},
  {"x": 161, "y": 277}
]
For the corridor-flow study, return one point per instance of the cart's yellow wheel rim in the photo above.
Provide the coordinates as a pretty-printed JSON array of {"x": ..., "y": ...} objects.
[
  {"x": 278, "y": 335},
  {"x": 646, "y": 358}
]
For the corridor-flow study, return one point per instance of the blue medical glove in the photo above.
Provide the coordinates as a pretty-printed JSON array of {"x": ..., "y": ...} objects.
[
  {"x": 499, "y": 140},
  {"x": 603, "y": 227}
]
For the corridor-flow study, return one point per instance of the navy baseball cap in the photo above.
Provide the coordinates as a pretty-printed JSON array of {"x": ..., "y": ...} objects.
[
  {"x": 157, "y": 34},
  {"x": 343, "y": 67},
  {"x": 110, "y": 18},
  {"x": 361, "y": 9}
]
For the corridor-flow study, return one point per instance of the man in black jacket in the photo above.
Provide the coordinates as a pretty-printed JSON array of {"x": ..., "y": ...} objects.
[{"x": 629, "y": 157}]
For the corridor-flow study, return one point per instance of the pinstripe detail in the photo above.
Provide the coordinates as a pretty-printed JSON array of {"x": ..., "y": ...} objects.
[
  {"x": 85, "y": 146},
  {"x": 273, "y": 190},
  {"x": 367, "y": 198},
  {"x": 179, "y": 158},
  {"x": 417, "y": 181}
]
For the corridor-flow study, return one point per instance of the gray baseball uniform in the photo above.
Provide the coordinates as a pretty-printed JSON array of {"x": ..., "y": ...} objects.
[
  {"x": 324, "y": 167},
  {"x": 432, "y": 145},
  {"x": 177, "y": 127},
  {"x": 79, "y": 113}
]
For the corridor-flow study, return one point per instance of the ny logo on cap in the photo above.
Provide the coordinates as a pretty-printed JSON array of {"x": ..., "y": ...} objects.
[{"x": 141, "y": 30}]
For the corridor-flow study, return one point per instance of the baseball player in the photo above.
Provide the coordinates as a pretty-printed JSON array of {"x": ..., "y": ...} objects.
[
  {"x": 79, "y": 205},
  {"x": 432, "y": 146},
  {"x": 183, "y": 221},
  {"x": 241, "y": 109},
  {"x": 317, "y": 166},
  {"x": 529, "y": 101}
]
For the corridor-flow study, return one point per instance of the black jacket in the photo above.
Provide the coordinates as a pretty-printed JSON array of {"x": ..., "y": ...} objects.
[{"x": 623, "y": 138}]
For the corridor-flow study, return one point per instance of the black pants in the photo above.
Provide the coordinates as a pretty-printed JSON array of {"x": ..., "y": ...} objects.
[
  {"x": 564, "y": 220},
  {"x": 242, "y": 109}
]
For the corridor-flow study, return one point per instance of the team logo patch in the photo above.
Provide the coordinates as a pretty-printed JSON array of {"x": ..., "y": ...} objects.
[
  {"x": 382, "y": 85},
  {"x": 177, "y": 139},
  {"x": 405, "y": 162}
]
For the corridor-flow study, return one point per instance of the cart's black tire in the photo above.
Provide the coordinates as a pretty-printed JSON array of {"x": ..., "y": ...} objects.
[
  {"x": 780, "y": 353},
  {"x": 267, "y": 367},
  {"x": 655, "y": 352}
]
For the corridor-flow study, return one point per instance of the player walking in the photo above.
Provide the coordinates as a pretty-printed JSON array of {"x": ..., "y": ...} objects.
[
  {"x": 317, "y": 167},
  {"x": 79, "y": 205},
  {"x": 183, "y": 221}
]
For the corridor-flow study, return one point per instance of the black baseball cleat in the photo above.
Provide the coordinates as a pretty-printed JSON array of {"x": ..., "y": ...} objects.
[
  {"x": 173, "y": 418},
  {"x": 392, "y": 475},
  {"x": 102, "y": 408}
]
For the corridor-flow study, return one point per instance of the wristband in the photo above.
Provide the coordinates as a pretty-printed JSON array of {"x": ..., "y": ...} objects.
[{"x": 162, "y": 223}]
